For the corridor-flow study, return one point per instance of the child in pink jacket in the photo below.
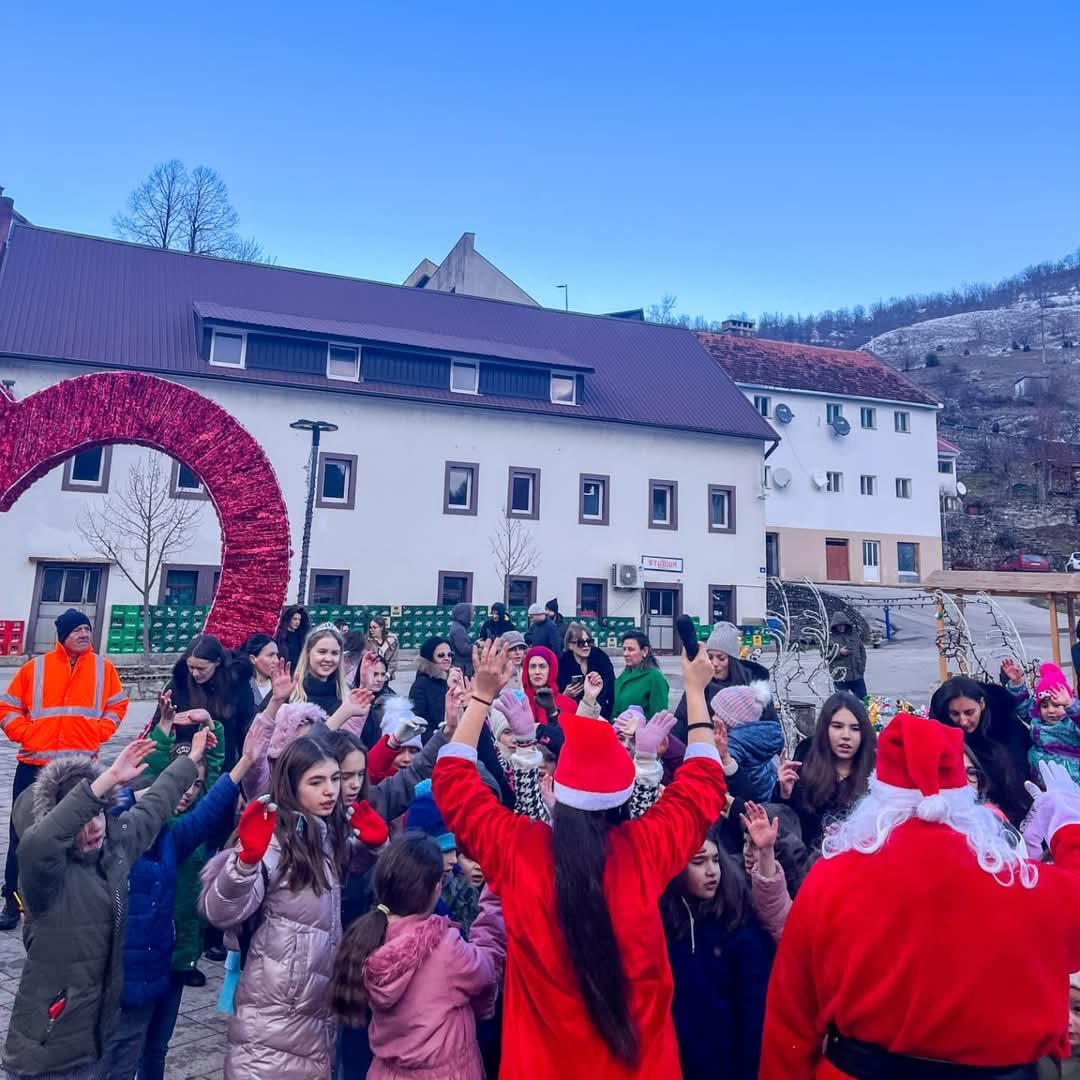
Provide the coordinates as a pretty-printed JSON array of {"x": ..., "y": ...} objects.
[{"x": 424, "y": 984}]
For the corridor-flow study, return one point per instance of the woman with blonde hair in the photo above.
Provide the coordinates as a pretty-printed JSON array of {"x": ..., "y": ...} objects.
[{"x": 320, "y": 674}]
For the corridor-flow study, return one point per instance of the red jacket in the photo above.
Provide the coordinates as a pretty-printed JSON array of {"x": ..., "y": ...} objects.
[
  {"x": 547, "y": 1034},
  {"x": 51, "y": 707},
  {"x": 917, "y": 950}
]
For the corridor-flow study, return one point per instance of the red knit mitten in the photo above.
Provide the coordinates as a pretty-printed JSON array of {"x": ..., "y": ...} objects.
[
  {"x": 368, "y": 826},
  {"x": 255, "y": 829}
]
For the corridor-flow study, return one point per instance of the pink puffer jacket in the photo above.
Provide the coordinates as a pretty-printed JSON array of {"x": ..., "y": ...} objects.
[{"x": 426, "y": 985}]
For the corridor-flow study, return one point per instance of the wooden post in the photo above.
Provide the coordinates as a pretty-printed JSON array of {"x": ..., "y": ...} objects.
[
  {"x": 1055, "y": 640},
  {"x": 943, "y": 671}
]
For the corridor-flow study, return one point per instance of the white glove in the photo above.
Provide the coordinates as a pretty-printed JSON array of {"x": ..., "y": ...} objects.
[
  {"x": 409, "y": 729},
  {"x": 1057, "y": 806}
]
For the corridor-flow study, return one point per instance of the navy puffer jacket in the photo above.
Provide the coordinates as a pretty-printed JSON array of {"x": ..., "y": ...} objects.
[{"x": 754, "y": 746}]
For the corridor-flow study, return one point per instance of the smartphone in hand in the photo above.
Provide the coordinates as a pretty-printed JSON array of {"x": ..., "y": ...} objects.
[{"x": 684, "y": 627}]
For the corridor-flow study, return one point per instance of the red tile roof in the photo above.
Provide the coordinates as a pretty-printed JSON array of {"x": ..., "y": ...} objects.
[
  {"x": 791, "y": 366},
  {"x": 946, "y": 447}
]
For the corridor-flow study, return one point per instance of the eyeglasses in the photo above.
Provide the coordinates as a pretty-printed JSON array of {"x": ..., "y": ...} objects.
[
  {"x": 974, "y": 775},
  {"x": 442, "y": 656},
  {"x": 584, "y": 643}
]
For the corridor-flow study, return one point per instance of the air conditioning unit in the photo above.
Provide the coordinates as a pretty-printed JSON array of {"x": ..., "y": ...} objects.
[{"x": 624, "y": 576}]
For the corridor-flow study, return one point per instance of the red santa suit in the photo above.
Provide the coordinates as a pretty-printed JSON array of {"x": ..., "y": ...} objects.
[
  {"x": 547, "y": 1033},
  {"x": 918, "y": 950}
]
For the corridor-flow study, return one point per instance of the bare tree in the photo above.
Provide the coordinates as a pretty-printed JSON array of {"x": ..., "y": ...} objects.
[
  {"x": 514, "y": 552},
  {"x": 186, "y": 211},
  {"x": 140, "y": 528},
  {"x": 664, "y": 312}
]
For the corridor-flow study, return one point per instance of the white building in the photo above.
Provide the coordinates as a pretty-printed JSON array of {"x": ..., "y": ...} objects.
[
  {"x": 466, "y": 271},
  {"x": 852, "y": 491},
  {"x": 627, "y": 454}
]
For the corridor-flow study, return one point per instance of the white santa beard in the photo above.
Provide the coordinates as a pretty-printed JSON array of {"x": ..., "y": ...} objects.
[{"x": 884, "y": 807}]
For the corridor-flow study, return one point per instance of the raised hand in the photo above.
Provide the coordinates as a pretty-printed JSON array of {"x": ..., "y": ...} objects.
[
  {"x": 649, "y": 737},
  {"x": 166, "y": 712},
  {"x": 204, "y": 739},
  {"x": 457, "y": 692},
  {"x": 626, "y": 723},
  {"x": 282, "y": 681},
  {"x": 697, "y": 673},
  {"x": 255, "y": 830},
  {"x": 367, "y": 666},
  {"x": 594, "y": 684},
  {"x": 1061, "y": 695},
  {"x": 409, "y": 728},
  {"x": 194, "y": 716},
  {"x": 720, "y": 739},
  {"x": 547, "y": 792},
  {"x": 1012, "y": 671},
  {"x": 756, "y": 822},
  {"x": 788, "y": 774},
  {"x": 130, "y": 762},
  {"x": 370, "y": 829},
  {"x": 519, "y": 716},
  {"x": 358, "y": 702},
  {"x": 545, "y": 698},
  {"x": 492, "y": 668}
]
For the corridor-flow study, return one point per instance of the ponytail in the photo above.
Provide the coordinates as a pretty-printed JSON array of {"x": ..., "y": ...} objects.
[
  {"x": 405, "y": 882},
  {"x": 579, "y": 842}
]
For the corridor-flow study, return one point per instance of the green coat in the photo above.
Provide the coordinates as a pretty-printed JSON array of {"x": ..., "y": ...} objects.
[
  {"x": 644, "y": 686},
  {"x": 76, "y": 904}
]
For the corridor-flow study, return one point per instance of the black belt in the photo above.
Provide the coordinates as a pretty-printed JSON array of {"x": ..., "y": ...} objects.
[{"x": 863, "y": 1061}]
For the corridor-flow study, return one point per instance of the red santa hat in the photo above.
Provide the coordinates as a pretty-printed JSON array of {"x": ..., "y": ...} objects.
[
  {"x": 918, "y": 754},
  {"x": 594, "y": 771}
]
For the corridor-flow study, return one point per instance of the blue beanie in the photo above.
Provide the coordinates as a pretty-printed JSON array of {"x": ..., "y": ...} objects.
[
  {"x": 69, "y": 622},
  {"x": 424, "y": 815}
]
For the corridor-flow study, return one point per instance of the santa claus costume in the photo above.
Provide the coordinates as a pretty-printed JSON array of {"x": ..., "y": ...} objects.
[
  {"x": 925, "y": 942},
  {"x": 547, "y": 1031}
]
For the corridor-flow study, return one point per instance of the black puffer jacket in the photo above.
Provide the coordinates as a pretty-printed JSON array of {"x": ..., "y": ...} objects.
[{"x": 76, "y": 906}]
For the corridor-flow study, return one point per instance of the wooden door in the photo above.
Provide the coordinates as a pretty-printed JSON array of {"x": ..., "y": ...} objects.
[{"x": 837, "y": 565}]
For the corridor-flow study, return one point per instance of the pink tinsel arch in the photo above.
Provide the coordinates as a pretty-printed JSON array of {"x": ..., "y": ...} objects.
[{"x": 48, "y": 427}]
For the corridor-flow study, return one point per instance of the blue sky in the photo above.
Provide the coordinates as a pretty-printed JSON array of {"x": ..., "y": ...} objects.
[{"x": 757, "y": 156}]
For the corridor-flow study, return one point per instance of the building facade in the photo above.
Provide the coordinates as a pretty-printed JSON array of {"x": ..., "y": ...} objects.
[
  {"x": 852, "y": 493},
  {"x": 618, "y": 449}
]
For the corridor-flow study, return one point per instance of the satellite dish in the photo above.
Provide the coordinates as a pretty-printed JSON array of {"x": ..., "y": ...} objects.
[
  {"x": 784, "y": 414},
  {"x": 961, "y": 487},
  {"x": 781, "y": 477},
  {"x": 841, "y": 427},
  {"x": 820, "y": 480}
]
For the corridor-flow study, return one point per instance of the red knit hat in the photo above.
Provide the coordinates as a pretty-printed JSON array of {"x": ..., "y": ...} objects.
[
  {"x": 921, "y": 755},
  {"x": 594, "y": 771}
]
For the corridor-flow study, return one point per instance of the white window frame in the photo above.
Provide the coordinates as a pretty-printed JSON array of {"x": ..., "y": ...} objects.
[
  {"x": 763, "y": 404},
  {"x": 241, "y": 334},
  {"x": 831, "y": 487},
  {"x": 474, "y": 367},
  {"x": 334, "y": 500},
  {"x": 833, "y": 411},
  {"x": 903, "y": 487},
  {"x": 199, "y": 489},
  {"x": 868, "y": 484},
  {"x": 902, "y": 422},
  {"x": 871, "y": 553},
  {"x": 551, "y": 387},
  {"x": 470, "y": 492},
  {"x": 601, "y": 499},
  {"x": 766, "y": 480},
  {"x": 945, "y": 466},
  {"x": 355, "y": 377},
  {"x": 97, "y": 481},
  {"x": 530, "y": 510},
  {"x": 868, "y": 412}
]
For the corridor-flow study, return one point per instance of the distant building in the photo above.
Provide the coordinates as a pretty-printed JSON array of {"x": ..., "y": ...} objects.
[
  {"x": 1031, "y": 386},
  {"x": 467, "y": 272},
  {"x": 852, "y": 491}
]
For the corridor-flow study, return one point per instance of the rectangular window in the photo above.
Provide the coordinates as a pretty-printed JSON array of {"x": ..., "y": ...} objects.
[
  {"x": 464, "y": 378},
  {"x": 944, "y": 466},
  {"x": 763, "y": 404},
  {"x": 336, "y": 486},
  {"x": 721, "y": 508},
  {"x": 902, "y": 422},
  {"x": 88, "y": 470},
  {"x": 868, "y": 485},
  {"x": 903, "y": 487},
  {"x": 343, "y": 362},
  {"x": 593, "y": 500},
  {"x": 181, "y": 587},
  {"x": 721, "y": 603},
  {"x": 521, "y": 591},
  {"x": 455, "y": 587},
  {"x": 834, "y": 482},
  {"x": 592, "y": 598},
  {"x": 907, "y": 561},
  {"x": 833, "y": 412},
  {"x": 329, "y": 587},
  {"x": 184, "y": 484},
  {"x": 459, "y": 487},
  {"x": 227, "y": 350},
  {"x": 523, "y": 493},
  {"x": 867, "y": 418},
  {"x": 663, "y": 504},
  {"x": 564, "y": 389}
]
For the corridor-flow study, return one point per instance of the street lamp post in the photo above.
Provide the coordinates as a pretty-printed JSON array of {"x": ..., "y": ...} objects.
[{"x": 316, "y": 427}]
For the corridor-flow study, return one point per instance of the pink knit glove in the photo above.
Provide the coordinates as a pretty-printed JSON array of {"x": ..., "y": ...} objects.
[
  {"x": 649, "y": 737},
  {"x": 519, "y": 716}
]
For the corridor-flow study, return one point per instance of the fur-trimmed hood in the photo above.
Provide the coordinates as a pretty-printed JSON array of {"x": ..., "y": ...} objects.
[
  {"x": 291, "y": 718},
  {"x": 430, "y": 668},
  {"x": 54, "y": 781}
]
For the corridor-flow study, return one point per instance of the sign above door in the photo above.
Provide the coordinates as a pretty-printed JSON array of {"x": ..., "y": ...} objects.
[{"x": 659, "y": 562}]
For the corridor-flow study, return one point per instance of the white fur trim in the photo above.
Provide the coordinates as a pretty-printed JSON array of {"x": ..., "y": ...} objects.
[
  {"x": 702, "y": 749},
  {"x": 590, "y": 800},
  {"x": 762, "y": 691},
  {"x": 458, "y": 750}
]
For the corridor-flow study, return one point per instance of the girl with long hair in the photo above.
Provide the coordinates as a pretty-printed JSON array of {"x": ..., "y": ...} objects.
[
  {"x": 382, "y": 642},
  {"x": 720, "y": 958},
  {"x": 587, "y": 979},
  {"x": 292, "y": 631},
  {"x": 320, "y": 673},
  {"x": 831, "y": 769},
  {"x": 283, "y": 878},
  {"x": 424, "y": 984}
]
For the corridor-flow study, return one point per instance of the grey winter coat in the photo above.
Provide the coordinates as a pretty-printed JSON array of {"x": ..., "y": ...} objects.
[
  {"x": 76, "y": 904},
  {"x": 843, "y": 635},
  {"x": 460, "y": 639},
  {"x": 283, "y": 1028}
]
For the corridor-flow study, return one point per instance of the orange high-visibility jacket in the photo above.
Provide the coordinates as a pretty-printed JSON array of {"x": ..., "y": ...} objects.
[{"x": 52, "y": 708}]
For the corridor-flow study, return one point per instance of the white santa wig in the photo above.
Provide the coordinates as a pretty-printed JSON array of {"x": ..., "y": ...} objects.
[{"x": 997, "y": 847}]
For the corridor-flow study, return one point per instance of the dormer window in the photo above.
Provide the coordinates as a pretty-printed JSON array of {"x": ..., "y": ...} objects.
[
  {"x": 227, "y": 349},
  {"x": 563, "y": 389},
  {"x": 343, "y": 362},
  {"x": 464, "y": 378}
]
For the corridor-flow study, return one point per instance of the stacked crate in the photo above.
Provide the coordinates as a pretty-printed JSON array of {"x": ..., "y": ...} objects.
[{"x": 12, "y": 637}]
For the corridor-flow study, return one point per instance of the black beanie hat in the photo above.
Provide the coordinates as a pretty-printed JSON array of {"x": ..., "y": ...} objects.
[
  {"x": 69, "y": 622},
  {"x": 427, "y": 650}
]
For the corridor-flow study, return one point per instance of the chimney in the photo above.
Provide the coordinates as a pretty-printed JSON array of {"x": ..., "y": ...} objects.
[
  {"x": 7, "y": 215},
  {"x": 738, "y": 327}
]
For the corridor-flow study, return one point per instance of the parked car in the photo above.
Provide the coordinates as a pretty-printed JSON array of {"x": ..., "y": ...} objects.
[
  {"x": 1074, "y": 562},
  {"x": 1024, "y": 560}
]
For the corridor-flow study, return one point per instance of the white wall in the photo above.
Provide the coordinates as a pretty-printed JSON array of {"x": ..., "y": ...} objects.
[
  {"x": 397, "y": 539},
  {"x": 808, "y": 445}
]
